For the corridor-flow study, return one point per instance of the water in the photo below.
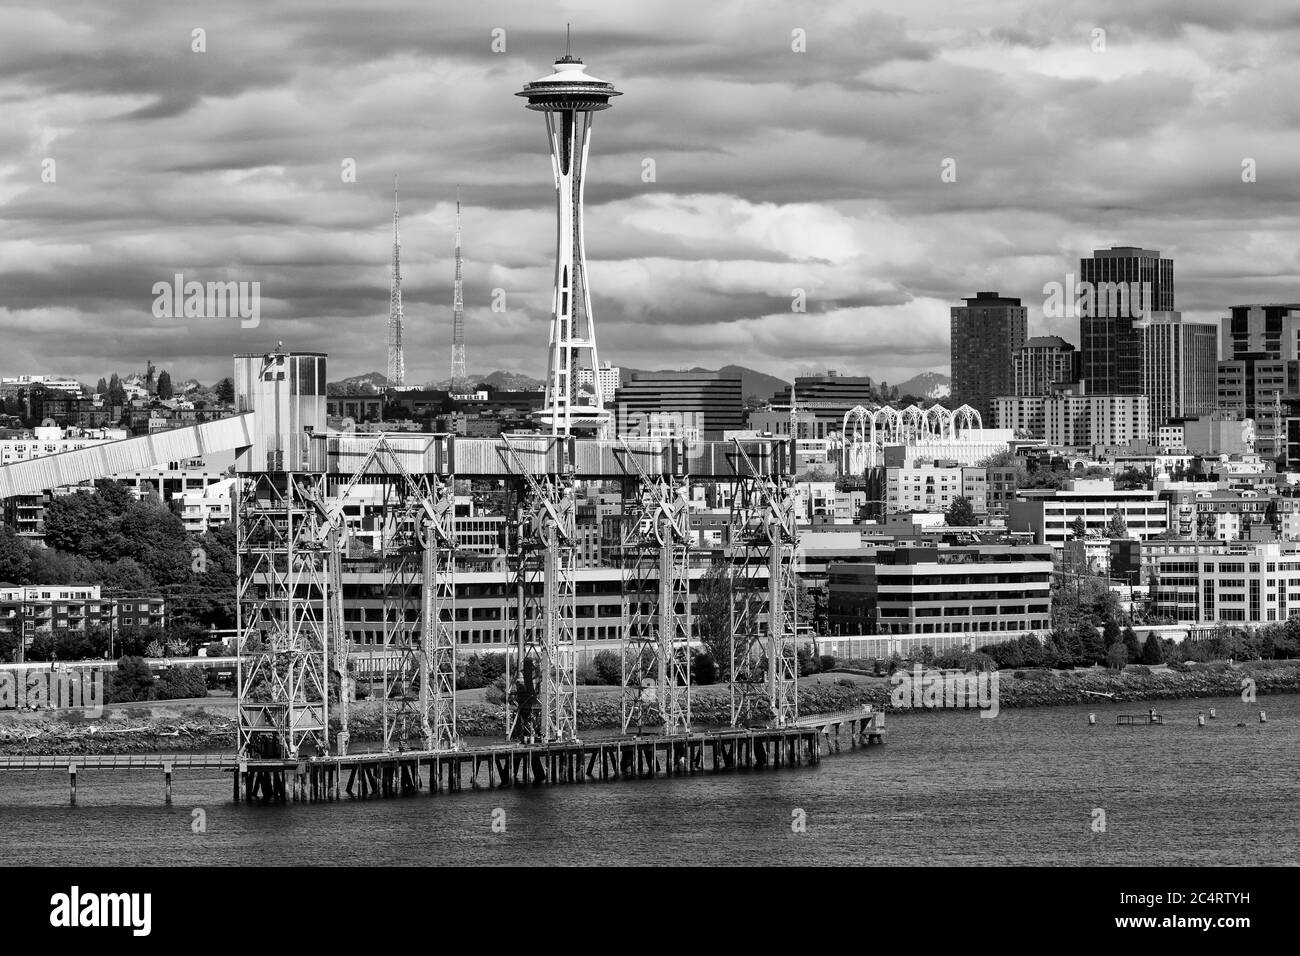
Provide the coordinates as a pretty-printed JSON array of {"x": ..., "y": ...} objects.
[{"x": 948, "y": 788}]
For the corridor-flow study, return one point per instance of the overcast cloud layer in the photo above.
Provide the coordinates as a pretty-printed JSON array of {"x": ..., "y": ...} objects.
[{"x": 775, "y": 170}]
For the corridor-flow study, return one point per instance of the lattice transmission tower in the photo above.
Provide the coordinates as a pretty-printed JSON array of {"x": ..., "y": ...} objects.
[
  {"x": 458, "y": 373},
  {"x": 396, "y": 358}
]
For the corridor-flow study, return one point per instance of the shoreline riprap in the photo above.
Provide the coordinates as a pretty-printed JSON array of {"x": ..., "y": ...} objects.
[{"x": 198, "y": 730}]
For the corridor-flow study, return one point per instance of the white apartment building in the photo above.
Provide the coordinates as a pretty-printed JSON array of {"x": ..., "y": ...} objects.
[
  {"x": 1023, "y": 414},
  {"x": 53, "y": 440},
  {"x": 208, "y": 507},
  {"x": 1070, "y": 419},
  {"x": 1084, "y": 421},
  {"x": 821, "y": 499},
  {"x": 1244, "y": 584},
  {"x": 1049, "y": 514},
  {"x": 934, "y": 487},
  {"x": 608, "y": 376},
  {"x": 1171, "y": 437}
]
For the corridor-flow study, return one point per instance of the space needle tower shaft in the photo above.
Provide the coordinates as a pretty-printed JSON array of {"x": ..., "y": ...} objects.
[{"x": 568, "y": 98}]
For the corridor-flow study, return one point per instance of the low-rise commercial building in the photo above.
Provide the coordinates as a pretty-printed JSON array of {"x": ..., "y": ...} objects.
[{"x": 943, "y": 597}]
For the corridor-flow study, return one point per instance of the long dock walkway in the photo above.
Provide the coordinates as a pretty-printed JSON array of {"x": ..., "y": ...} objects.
[{"x": 397, "y": 773}]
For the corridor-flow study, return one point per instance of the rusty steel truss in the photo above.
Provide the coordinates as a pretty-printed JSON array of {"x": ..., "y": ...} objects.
[
  {"x": 282, "y": 617},
  {"x": 295, "y": 675},
  {"x": 291, "y": 538},
  {"x": 764, "y": 597},
  {"x": 541, "y": 677},
  {"x": 656, "y": 658}
]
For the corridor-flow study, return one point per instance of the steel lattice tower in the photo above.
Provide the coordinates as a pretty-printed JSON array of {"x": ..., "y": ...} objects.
[
  {"x": 568, "y": 98},
  {"x": 396, "y": 359},
  {"x": 458, "y": 373}
]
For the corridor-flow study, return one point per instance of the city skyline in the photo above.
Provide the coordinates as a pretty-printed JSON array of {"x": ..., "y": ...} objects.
[{"x": 175, "y": 161}]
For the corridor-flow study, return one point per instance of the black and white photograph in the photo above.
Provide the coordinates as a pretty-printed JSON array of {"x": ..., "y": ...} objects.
[{"x": 842, "y": 435}]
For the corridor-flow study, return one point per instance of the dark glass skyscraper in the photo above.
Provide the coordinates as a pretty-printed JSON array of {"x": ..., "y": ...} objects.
[
  {"x": 986, "y": 334},
  {"x": 1127, "y": 283},
  {"x": 1260, "y": 345}
]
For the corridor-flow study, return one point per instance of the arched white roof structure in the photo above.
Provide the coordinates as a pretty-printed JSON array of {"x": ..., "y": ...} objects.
[{"x": 867, "y": 431}]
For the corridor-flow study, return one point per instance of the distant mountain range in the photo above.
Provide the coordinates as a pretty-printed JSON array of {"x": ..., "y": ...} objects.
[
  {"x": 509, "y": 381},
  {"x": 373, "y": 382},
  {"x": 934, "y": 385},
  {"x": 368, "y": 384},
  {"x": 751, "y": 382}
]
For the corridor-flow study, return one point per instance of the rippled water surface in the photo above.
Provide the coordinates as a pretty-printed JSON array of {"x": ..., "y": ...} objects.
[{"x": 947, "y": 788}]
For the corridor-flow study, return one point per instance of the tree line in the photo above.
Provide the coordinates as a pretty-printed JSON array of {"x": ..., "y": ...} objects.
[{"x": 132, "y": 549}]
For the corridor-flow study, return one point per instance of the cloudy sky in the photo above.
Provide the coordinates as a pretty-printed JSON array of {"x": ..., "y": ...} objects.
[{"x": 774, "y": 170}]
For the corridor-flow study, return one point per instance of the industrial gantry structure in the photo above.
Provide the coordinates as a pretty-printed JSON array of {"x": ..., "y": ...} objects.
[{"x": 296, "y": 476}]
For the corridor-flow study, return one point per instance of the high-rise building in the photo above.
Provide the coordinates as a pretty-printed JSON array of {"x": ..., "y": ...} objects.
[
  {"x": 986, "y": 334},
  {"x": 1260, "y": 349},
  {"x": 1126, "y": 284},
  {"x": 568, "y": 98},
  {"x": 1069, "y": 417},
  {"x": 1177, "y": 365},
  {"x": 610, "y": 377},
  {"x": 695, "y": 405},
  {"x": 1092, "y": 421},
  {"x": 1044, "y": 363}
]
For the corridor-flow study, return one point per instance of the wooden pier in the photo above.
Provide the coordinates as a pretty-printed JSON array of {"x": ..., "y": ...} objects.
[
  {"x": 392, "y": 774},
  {"x": 367, "y": 775}
]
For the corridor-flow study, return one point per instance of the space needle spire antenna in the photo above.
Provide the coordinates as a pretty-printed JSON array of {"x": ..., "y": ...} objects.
[
  {"x": 458, "y": 374},
  {"x": 396, "y": 358},
  {"x": 574, "y": 396}
]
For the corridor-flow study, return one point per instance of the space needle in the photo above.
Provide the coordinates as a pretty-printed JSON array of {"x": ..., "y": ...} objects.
[{"x": 574, "y": 396}]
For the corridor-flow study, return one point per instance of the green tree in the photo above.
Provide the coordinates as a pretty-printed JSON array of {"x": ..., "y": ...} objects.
[
  {"x": 711, "y": 615},
  {"x": 961, "y": 513},
  {"x": 1091, "y": 648},
  {"x": 181, "y": 683},
  {"x": 1005, "y": 654},
  {"x": 609, "y": 667},
  {"x": 472, "y": 676},
  {"x": 131, "y": 681},
  {"x": 1117, "y": 656},
  {"x": 1116, "y": 527},
  {"x": 15, "y": 561},
  {"x": 1132, "y": 645},
  {"x": 225, "y": 390},
  {"x": 1129, "y": 479},
  {"x": 704, "y": 670},
  {"x": 1079, "y": 528},
  {"x": 101, "y": 386},
  {"x": 164, "y": 385},
  {"x": 1152, "y": 653},
  {"x": 1111, "y": 632},
  {"x": 1062, "y": 647},
  {"x": 116, "y": 393}
]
